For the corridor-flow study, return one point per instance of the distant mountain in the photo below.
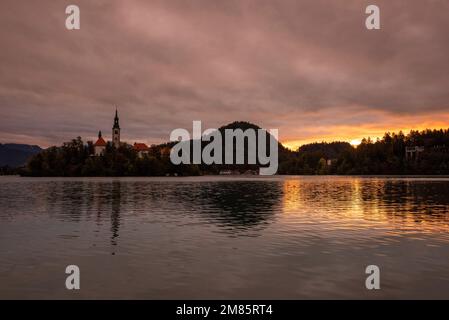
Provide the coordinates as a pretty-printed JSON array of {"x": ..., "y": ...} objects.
[{"x": 16, "y": 155}]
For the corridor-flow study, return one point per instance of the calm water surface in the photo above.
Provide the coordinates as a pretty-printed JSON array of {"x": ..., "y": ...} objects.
[{"x": 224, "y": 237}]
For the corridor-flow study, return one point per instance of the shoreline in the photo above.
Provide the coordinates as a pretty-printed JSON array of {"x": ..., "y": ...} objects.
[{"x": 242, "y": 176}]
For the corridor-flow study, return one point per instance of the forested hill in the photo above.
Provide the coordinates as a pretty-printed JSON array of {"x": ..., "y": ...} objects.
[
  {"x": 75, "y": 158},
  {"x": 329, "y": 150}
]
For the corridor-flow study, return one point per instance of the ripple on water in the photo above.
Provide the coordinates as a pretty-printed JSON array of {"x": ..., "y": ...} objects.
[{"x": 211, "y": 237}]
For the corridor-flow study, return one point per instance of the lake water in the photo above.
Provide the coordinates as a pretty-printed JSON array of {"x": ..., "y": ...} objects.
[{"x": 224, "y": 237}]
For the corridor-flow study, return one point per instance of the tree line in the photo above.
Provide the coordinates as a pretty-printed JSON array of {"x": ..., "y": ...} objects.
[
  {"x": 75, "y": 158},
  {"x": 385, "y": 156}
]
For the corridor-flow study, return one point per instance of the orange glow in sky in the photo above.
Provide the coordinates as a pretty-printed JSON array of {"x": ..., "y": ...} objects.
[{"x": 354, "y": 134}]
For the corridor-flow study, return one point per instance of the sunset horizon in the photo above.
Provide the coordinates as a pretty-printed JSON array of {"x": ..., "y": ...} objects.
[
  {"x": 354, "y": 135},
  {"x": 346, "y": 133}
]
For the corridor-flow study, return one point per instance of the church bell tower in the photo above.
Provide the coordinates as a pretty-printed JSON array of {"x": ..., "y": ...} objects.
[{"x": 116, "y": 131}]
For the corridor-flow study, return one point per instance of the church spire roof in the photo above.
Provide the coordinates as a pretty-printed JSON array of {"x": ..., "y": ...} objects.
[
  {"x": 116, "y": 120},
  {"x": 100, "y": 142}
]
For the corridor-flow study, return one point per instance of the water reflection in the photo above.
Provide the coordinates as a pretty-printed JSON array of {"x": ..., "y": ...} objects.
[
  {"x": 408, "y": 203},
  {"x": 115, "y": 212},
  {"x": 239, "y": 205},
  {"x": 231, "y": 205},
  {"x": 172, "y": 238}
]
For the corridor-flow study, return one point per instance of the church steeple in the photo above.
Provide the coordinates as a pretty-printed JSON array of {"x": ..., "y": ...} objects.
[
  {"x": 116, "y": 123},
  {"x": 116, "y": 131}
]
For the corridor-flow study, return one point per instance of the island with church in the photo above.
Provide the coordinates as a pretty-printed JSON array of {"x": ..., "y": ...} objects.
[
  {"x": 416, "y": 153},
  {"x": 141, "y": 149}
]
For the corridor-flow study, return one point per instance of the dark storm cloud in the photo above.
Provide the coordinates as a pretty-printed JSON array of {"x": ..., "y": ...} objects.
[{"x": 296, "y": 65}]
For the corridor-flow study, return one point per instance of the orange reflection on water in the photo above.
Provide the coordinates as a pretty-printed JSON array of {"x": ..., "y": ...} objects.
[{"x": 384, "y": 204}]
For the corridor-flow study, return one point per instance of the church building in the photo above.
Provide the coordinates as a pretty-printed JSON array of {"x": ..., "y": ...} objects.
[
  {"x": 100, "y": 145},
  {"x": 116, "y": 131}
]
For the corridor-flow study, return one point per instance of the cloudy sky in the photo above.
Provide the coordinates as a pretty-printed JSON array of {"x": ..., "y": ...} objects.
[{"x": 307, "y": 67}]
